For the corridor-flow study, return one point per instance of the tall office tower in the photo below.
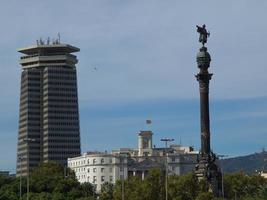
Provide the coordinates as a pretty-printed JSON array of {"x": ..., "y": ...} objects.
[{"x": 48, "y": 116}]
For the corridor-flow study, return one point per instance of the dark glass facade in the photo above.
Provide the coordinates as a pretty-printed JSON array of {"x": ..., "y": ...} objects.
[{"x": 49, "y": 115}]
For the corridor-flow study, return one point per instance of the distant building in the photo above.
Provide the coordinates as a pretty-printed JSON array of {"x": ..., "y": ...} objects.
[
  {"x": 48, "y": 116},
  {"x": 4, "y": 173},
  {"x": 263, "y": 174},
  {"x": 100, "y": 167}
]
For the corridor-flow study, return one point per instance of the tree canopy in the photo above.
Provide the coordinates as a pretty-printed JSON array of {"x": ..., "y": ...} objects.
[{"x": 51, "y": 182}]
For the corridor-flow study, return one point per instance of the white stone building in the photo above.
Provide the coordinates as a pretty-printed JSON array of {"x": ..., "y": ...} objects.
[{"x": 98, "y": 168}]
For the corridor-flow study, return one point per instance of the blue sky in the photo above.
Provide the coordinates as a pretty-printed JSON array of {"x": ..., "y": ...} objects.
[{"x": 145, "y": 54}]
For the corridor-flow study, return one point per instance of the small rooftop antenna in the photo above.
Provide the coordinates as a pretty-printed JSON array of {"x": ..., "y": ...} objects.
[
  {"x": 41, "y": 42},
  {"x": 58, "y": 34},
  {"x": 48, "y": 41}
]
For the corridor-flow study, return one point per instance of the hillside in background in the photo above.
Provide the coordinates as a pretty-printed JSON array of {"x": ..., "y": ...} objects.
[{"x": 248, "y": 164}]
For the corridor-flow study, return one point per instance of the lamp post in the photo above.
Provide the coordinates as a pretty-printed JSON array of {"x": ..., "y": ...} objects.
[
  {"x": 20, "y": 176},
  {"x": 27, "y": 141},
  {"x": 122, "y": 160},
  {"x": 166, "y": 140},
  {"x": 222, "y": 156}
]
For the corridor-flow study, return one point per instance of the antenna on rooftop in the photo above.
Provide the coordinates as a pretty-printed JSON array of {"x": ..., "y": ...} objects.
[
  {"x": 58, "y": 34},
  {"x": 48, "y": 41},
  {"x": 41, "y": 42}
]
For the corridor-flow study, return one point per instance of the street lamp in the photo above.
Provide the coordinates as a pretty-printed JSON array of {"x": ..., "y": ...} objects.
[
  {"x": 222, "y": 156},
  {"x": 122, "y": 161},
  {"x": 166, "y": 140},
  {"x": 20, "y": 176},
  {"x": 27, "y": 141}
]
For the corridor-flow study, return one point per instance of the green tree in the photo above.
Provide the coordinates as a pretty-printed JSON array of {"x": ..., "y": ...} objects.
[
  {"x": 205, "y": 196},
  {"x": 88, "y": 189},
  {"x": 133, "y": 189},
  {"x": 106, "y": 192},
  {"x": 154, "y": 185},
  {"x": 183, "y": 187},
  {"x": 240, "y": 186},
  {"x": 9, "y": 188}
]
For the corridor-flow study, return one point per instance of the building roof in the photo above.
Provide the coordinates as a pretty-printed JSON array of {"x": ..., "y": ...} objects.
[
  {"x": 49, "y": 48},
  {"x": 146, "y": 164}
]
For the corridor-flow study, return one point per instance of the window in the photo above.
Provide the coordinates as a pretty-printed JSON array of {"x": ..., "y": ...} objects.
[
  {"x": 173, "y": 159},
  {"x": 88, "y": 170},
  {"x": 110, "y": 160},
  {"x": 102, "y": 170},
  {"x": 88, "y": 178},
  {"x": 110, "y": 170},
  {"x": 102, "y": 160},
  {"x": 111, "y": 178},
  {"x": 121, "y": 169},
  {"x": 102, "y": 178},
  {"x": 88, "y": 162},
  {"x": 94, "y": 161},
  {"x": 94, "y": 170},
  {"x": 94, "y": 179}
]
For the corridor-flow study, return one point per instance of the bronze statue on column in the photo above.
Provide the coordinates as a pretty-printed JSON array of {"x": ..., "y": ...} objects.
[{"x": 207, "y": 167}]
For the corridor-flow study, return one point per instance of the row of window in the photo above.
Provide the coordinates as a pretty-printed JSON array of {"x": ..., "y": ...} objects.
[
  {"x": 54, "y": 147},
  {"x": 94, "y": 179},
  {"x": 78, "y": 163},
  {"x": 61, "y": 129},
  {"x": 60, "y": 106},
  {"x": 72, "y": 83},
  {"x": 62, "y": 117},
  {"x": 69, "y": 135},
  {"x": 69, "y": 112},
  {"x": 60, "y": 94},
  {"x": 62, "y": 123},
  {"x": 63, "y": 100},
  {"x": 74, "y": 89},
  {"x": 102, "y": 170},
  {"x": 62, "y": 77},
  {"x": 61, "y": 71}
]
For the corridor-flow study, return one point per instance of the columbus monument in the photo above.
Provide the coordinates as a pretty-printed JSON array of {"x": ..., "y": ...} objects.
[{"x": 207, "y": 168}]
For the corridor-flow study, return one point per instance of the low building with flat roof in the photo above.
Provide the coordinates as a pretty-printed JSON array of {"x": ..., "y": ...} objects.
[{"x": 100, "y": 167}]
